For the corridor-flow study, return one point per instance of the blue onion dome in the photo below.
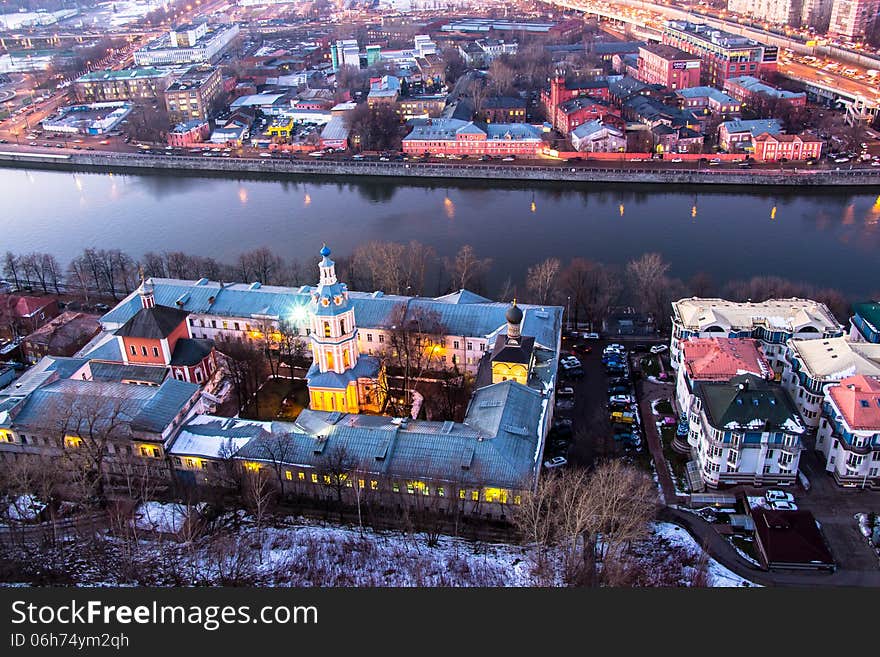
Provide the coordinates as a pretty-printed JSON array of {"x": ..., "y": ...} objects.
[
  {"x": 325, "y": 250},
  {"x": 514, "y": 314}
]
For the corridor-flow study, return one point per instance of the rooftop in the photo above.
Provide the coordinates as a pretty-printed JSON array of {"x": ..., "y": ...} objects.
[
  {"x": 154, "y": 323},
  {"x": 721, "y": 359},
  {"x": 668, "y": 52},
  {"x": 755, "y": 85},
  {"x": 754, "y": 126},
  {"x": 858, "y": 400},
  {"x": 145, "y": 72},
  {"x": 462, "y": 313},
  {"x": 791, "y": 539},
  {"x": 790, "y": 315},
  {"x": 749, "y": 403},
  {"x": 833, "y": 359}
]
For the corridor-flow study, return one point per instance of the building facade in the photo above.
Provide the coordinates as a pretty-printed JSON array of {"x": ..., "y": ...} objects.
[
  {"x": 865, "y": 322},
  {"x": 812, "y": 365},
  {"x": 849, "y": 431},
  {"x": 457, "y": 137},
  {"x": 193, "y": 94},
  {"x": 723, "y": 55},
  {"x": 746, "y": 431},
  {"x": 134, "y": 84},
  {"x": 749, "y": 90},
  {"x": 851, "y": 18},
  {"x": 773, "y": 148},
  {"x": 669, "y": 66}
]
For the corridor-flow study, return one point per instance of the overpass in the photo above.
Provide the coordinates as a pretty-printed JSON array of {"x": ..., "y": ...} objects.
[
  {"x": 41, "y": 40},
  {"x": 770, "y": 38}
]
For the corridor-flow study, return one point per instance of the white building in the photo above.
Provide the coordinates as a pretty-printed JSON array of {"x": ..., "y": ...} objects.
[
  {"x": 597, "y": 137},
  {"x": 851, "y": 18},
  {"x": 206, "y": 48},
  {"x": 744, "y": 431},
  {"x": 811, "y": 365},
  {"x": 849, "y": 431},
  {"x": 772, "y": 322},
  {"x": 778, "y": 12},
  {"x": 245, "y": 312}
]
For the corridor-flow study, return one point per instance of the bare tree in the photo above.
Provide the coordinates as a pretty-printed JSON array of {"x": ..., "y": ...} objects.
[
  {"x": 466, "y": 269},
  {"x": 592, "y": 288},
  {"x": 541, "y": 278},
  {"x": 247, "y": 370},
  {"x": 337, "y": 465},
  {"x": 10, "y": 267},
  {"x": 650, "y": 284}
]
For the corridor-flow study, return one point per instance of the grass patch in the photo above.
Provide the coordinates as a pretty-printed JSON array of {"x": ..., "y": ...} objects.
[
  {"x": 664, "y": 407},
  {"x": 650, "y": 365},
  {"x": 272, "y": 399}
]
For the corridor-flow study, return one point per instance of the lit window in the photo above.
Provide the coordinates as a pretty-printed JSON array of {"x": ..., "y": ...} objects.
[
  {"x": 289, "y": 475},
  {"x": 302, "y": 476},
  {"x": 314, "y": 478}
]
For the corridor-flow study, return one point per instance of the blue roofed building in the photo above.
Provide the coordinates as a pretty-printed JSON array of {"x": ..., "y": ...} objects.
[
  {"x": 739, "y": 135},
  {"x": 54, "y": 415}
]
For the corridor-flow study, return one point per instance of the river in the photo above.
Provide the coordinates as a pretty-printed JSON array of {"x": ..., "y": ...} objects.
[{"x": 827, "y": 237}]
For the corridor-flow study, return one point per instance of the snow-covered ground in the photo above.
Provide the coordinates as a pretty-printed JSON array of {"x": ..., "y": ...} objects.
[{"x": 719, "y": 576}]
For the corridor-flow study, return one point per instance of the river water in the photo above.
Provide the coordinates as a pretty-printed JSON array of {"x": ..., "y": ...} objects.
[{"x": 825, "y": 237}]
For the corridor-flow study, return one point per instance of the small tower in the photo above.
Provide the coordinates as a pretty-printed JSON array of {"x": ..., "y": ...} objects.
[
  {"x": 514, "y": 354},
  {"x": 340, "y": 378},
  {"x": 334, "y": 333},
  {"x": 514, "y": 318},
  {"x": 148, "y": 299}
]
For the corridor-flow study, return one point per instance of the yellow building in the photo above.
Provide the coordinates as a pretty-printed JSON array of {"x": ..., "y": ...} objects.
[
  {"x": 281, "y": 129},
  {"x": 514, "y": 353},
  {"x": 340, "y": 378}
]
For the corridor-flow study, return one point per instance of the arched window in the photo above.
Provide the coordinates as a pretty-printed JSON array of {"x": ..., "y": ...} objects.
[
  {"x": 342, "y": 326},
  {"x": 330, "y": 363},
  {"x": 346, "y": 359},
  {"x": 326, "y": 329}
]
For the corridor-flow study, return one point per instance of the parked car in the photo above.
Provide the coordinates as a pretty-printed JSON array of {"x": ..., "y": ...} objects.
[
  {"x": 659, "y": 348},
  {"x": 622, "y": 399},
  {"x": 618, "y": 381},
  {"x": 582, "y": 348},
  {"x": 555, "y": 462},
  {"x": 782, "y": 506},
  {"x": 567, "y": 391},
  {"x": 590, "y": 336},
  {"x": 572, "y": 372},
  {"x": 623, "y": 416},
  {"x": 618, "y": 390},
  {"x": 776, "y": 495}
]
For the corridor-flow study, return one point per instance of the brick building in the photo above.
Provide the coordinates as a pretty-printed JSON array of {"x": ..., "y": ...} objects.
[{"x": 667, "y": 65}]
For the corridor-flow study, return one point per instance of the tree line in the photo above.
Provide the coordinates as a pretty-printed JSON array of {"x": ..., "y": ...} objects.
[{"x": 587, "y": 288}]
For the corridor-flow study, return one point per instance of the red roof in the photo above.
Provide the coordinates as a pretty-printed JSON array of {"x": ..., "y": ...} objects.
[
  {"x": 858, "y": 399},
  {"x": 721, "y": 359},
  {"x": 19, "y": 306}
]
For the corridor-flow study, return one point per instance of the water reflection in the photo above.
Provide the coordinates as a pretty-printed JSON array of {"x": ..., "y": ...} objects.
[{"x": 692, "y": 232}]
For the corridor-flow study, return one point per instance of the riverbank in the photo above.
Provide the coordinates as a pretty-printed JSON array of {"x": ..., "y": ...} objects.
[{"x": 119, "y": 162}]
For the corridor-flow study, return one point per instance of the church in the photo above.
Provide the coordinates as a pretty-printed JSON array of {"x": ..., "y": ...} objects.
[{"x": 340, "y": 378}]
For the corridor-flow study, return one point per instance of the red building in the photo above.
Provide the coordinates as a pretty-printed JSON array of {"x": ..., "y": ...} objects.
[
  {"x": 667, "y": 65},
  {"x": 189, "y": 133},
  {"x": 21, "y": 315},
  {"x": 159, "y": 335},
  {"x": 751, "y": 91},
  {"x": 456, "y": 137},
  {"x": 577, "y": 111},
  {"x": 561, "y": 91},
  {"x": 772, "y": 148},
  {"x": 723, "y": 54}
]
